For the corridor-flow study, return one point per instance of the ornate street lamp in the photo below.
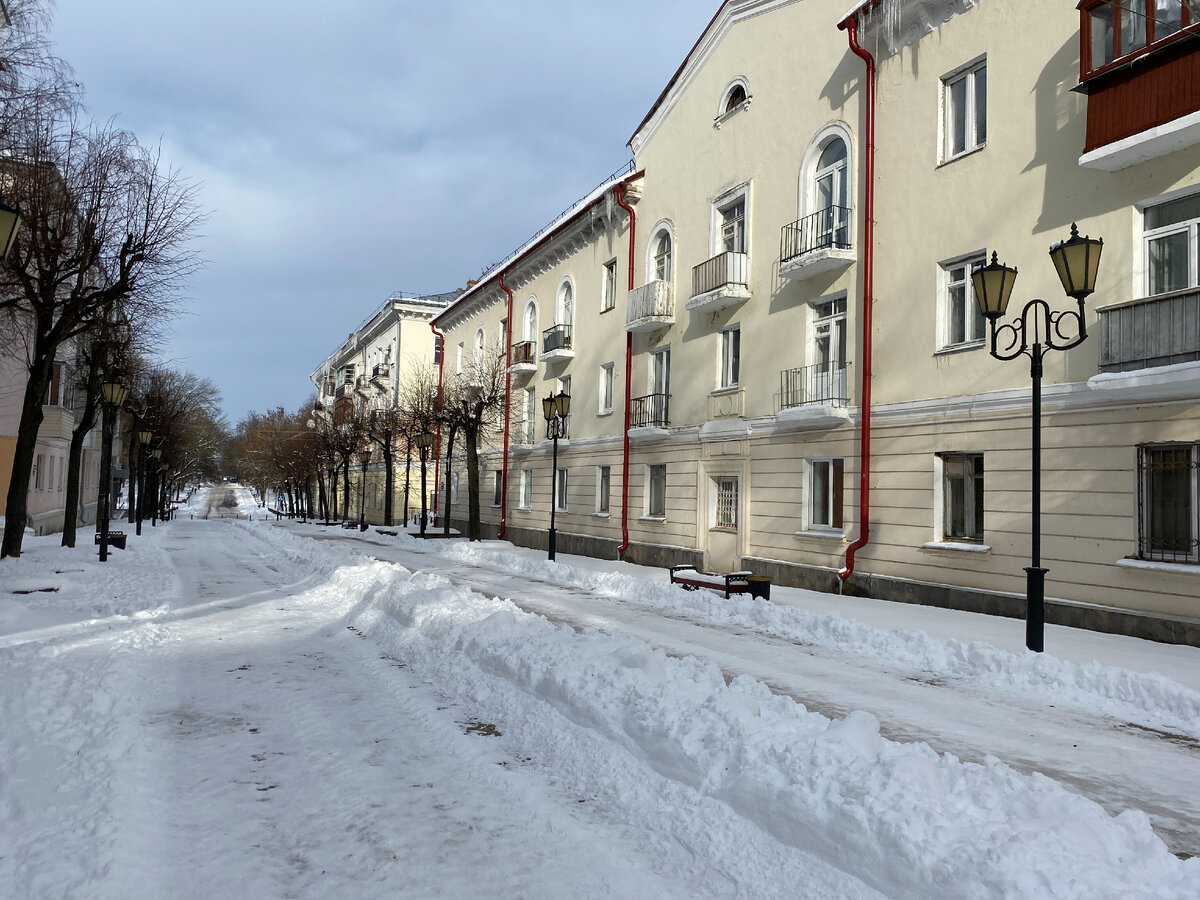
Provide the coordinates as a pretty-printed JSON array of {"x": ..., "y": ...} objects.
[
  {"x": 555, "y": 409},
  {"x": 114, "y": 394},
  {"x": 364, "y": 457},
  {"x": 424, "y": 441},
  {"x": 144, "y": 438},
  {"x": 1038, "y": 329}
]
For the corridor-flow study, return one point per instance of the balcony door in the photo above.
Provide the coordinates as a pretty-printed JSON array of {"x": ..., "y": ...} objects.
[
  {"x": 831, "y": 200},
  {"x": 829, "y": 351}
]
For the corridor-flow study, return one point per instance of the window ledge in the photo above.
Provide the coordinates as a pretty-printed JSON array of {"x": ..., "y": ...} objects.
[
  {"x": 726, "y": 389},
  {"x": 652, "y": 518},
  {"x": 1155, "y": 565},
  {"x": 960, "y": 348},
  {"x": 950, "y": 160},
  {"x": 821, "y": 534},
  {"x": 724, "y": 529},
  {"x": 601, "y": 515},
  {"x": 956, "y": 547},
  {"x": 603, "y": 413}
]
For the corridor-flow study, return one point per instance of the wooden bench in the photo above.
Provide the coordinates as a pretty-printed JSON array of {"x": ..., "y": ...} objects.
[
  {"x": 690, "y": 579},
  {"x": 115, "y": 539}
]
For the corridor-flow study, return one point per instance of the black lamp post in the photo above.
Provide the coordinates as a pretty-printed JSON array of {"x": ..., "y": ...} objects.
[
  {"x": 424, "y": 441},
  {"x": 1038, "y": 329},
  {"x": 155, "y": 468},
  {"x": 144, "y": 438},
  {"x": 330, "y": 487},
  {"x": 555, "y": 410},
  {"x": 114, "y": 394},
  {"x": 364, "y": 457}
]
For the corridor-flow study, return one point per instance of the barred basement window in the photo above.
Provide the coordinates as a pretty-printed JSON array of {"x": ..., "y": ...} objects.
[
  {"x": 727, "y": 502},
  {"x": 962, "y": 518},
  {"x": 1168, "y": 529}
]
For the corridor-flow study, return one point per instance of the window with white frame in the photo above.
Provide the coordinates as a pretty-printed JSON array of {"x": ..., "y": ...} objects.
[
  {"x": 825, "y": 494},
  {"x": 459, "y": 362},
  {"x": 1168, "y": 498},
  {"x": 962, "y": 496},
  {"x": 964, "y": 110},
  {"x": 454, "y": 487},
  {"x": 1170, "y": 235},
  {"x": 962, "y": 321},
  {"x": 603, "y": 482},
  {"x": 731, "y": 237},
  {"x": 497, "y": 487},
  {"x": 480, "y": 343},
  {"x": 526, "y": 489},
  {"x": 826, "y": 380},
  {"x": 560, "y": 490},
  {"x": 39, "y": 472},
  {"x": 831, "y": 200},
  {"x": 725, "y": 510},
  {"x": 662, "y": 251},
  {"x": 566, "y": 303},
  {"x": 531, "y": 321},
  {"x": 607, "y": 380},
  {"x": 608, "y": 298},
  {"x": 529, "y": 421},
  {"x": 729, "y": 361},
  {"x": 656, "y": 490}
]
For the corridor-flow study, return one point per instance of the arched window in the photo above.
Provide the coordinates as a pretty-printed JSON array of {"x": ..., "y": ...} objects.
[
  {"x": 826, "y": 190},
  {"x": 735, "y": 98},
  {"x": 664, "y": 266},
  {"x": 531, "y": 323},
  {"x": 480, "y": 343},
  {"x": 566, "y": 303}
]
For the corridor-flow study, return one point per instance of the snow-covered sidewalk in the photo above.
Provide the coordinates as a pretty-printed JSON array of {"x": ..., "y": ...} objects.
[{"x": 234, "y": 708}]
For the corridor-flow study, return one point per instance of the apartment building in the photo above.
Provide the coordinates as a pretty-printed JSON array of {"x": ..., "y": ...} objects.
[{"x": 768, "y": 329}]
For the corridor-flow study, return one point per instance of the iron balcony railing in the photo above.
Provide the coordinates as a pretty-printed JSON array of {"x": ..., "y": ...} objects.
[
  {"x": 556, "y": 338},
  {"x": 812, "y": 384},
  {"x": 1155, "y": 331},
  {"x": 722, "y": 270},
  {"x": 650, "y": 411},
  {"x": 823, "y": 230},
  {"x": 654, "y": 300},
  {"x": 523, "y": 353}
]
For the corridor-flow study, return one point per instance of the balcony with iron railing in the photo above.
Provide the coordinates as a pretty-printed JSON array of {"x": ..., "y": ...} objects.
[
  {"x": 380, "y": 375},
  {"x": 649, "y": 416},
  {"x": 651, "y": 307},
  {"x": 1154, "y": 331},
  {"x": 813, "y": 395},
  {"x": 721, "y": 281},
  {"x": 524, "y": 358},
  {"x": 821, "y": 242},
  {"x": 556, "y": 343}
]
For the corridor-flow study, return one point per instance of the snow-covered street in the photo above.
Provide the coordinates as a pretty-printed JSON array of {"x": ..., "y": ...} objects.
[{"x": 260, "y": 709}]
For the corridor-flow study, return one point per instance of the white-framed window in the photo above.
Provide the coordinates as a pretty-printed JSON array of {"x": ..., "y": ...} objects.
[
  {"x": 608, "y": 296},
  {"x": 529, "y": 418},
  {"x": 560, "y": 490},
  {"x": 826, "y": 490},
  {"x": 825, "y": 191},
  {"x": 1170, "y": 241},
  {"x": 731, "y": 225},
  {"x": 62, "y": 468},
  {"x": 50, "y": 475},
  {"x": 964, "y": 110},
  {"x": 962, "y": 323},
  {"x": 662, "y": 256},
  {"x": 729, "y": 360},
  {"x": 827, "y": 379},
  {"x": 453, "y": 487},
  {"x": 39, "y": 472},
  {"x": 531, "y": 320},
  {"x": 734, "y": 99},
  {"x": 526, "y": 489},
  {"x": 480, "y": 343},
  {"x": 1169, "y": 500},
  {"x": 497, "y": 487},
  {"x": 603, "y": 483},
  {"x": 725, "y": 507},
  {"x": 437, "y": 349},
  {"x": 458, "y": 366},
  {"x": 962, "y": 497},
  {"x": 607, "y": 381},
  {"x": 656, "y": 490},
  {"x": 565, "y": 306}
]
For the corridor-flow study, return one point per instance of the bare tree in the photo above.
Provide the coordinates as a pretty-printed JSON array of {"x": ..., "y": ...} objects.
[
  {"x": 419, "y": 411},
  {"x": 106, "y": 232},
  {"x": 472, "y": 403}
]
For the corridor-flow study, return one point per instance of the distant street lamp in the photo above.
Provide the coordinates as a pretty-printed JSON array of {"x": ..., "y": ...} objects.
[
  {"x": 114, "y": 394},
  {"x": 1039, "y": 328},
  {"x": 555, "y": 409},
  {"x": 144, "y": 438},
  {"x": 424, "y": 441},
  {"x": 365, "y": 458}
]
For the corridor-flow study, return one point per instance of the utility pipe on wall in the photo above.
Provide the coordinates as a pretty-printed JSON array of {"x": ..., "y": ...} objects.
[
  {"x": 628, "y": 380},
  {"x": 850, "y": 26},
  {"x": 507, "y": 410},
  {"x": 437, "y": 451}
]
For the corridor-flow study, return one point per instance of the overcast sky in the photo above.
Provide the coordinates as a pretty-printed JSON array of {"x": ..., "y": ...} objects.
[{"x": 350, "y": 150}]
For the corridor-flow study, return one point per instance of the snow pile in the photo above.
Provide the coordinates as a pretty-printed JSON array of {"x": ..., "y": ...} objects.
[
  {"x": 1147, "y": 699},
  {"x": 902, "y": 818}
]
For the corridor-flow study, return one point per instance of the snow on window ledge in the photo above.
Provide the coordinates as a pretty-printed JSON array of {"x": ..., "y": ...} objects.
[
  {"x": 956, "y": 547},
  {"x": 1155, "y": 565}
]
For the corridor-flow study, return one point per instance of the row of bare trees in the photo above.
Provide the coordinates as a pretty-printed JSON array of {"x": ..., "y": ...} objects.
[
  {"x": 319, "y": 445},
  {"x": 105, "y": 245}
]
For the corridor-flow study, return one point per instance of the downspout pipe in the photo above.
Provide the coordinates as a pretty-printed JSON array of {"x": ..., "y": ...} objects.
[
  {"x": 437, "y": 447},
  {"x": 850, "y": 26},
  {"x": 507, "y": 410},
  {"x": 628, "y": 381}
]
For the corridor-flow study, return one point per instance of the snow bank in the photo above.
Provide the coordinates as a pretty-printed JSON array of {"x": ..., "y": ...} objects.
[{"x": 901, "y": 817}]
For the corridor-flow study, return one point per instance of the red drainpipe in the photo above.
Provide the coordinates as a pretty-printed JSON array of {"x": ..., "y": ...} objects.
[
  {"x": 850, "y": 26},
  {"x": 507, "y": 409},
  {"x": 628, "y": 381},
  {"x": 437, "y": 448}
]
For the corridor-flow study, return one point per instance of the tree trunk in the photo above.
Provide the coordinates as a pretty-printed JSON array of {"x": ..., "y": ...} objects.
[
  {"x": 17, "y": 504},
  {"x": 389, "y": 482},
  {"x": 87, "y": 421},
  {"x": 407, "y": 476},
  {"x": 474, "y": 530},
  {"x": 134, "y": 457},
  {"x": 449, "y": 472}
]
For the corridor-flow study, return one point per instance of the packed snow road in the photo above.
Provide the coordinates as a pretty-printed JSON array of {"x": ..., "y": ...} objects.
[{"x": 234, "y": 708}]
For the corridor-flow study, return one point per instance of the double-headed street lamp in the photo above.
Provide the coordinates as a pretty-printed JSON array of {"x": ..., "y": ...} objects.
[
  {"x": 555, "y": 410},
  {"x": 114, "y": 394},
  {"x": 143, "y": 476},
  {"x": 424, "y": 441},
  {"x": 1039, "y": 328},
  {"x": 364, "y": 456}
]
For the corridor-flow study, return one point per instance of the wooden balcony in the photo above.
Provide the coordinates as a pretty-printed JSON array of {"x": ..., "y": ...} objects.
[
  {"x": 651, "y": 307},
  {"x": 1155, "y": 331},
  {"x": 524, "y": 358}
]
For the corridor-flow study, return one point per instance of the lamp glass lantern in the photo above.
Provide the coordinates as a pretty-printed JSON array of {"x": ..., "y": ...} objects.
[
  {"x": 424, "y": 440},
  {"x": 993, "y": 286},
  {"x": 144, "y": 437},
  {"x": 114, "y": 392},
  {"x": 364, "y": 456},
  {"x": 1077, "y": 261}
]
